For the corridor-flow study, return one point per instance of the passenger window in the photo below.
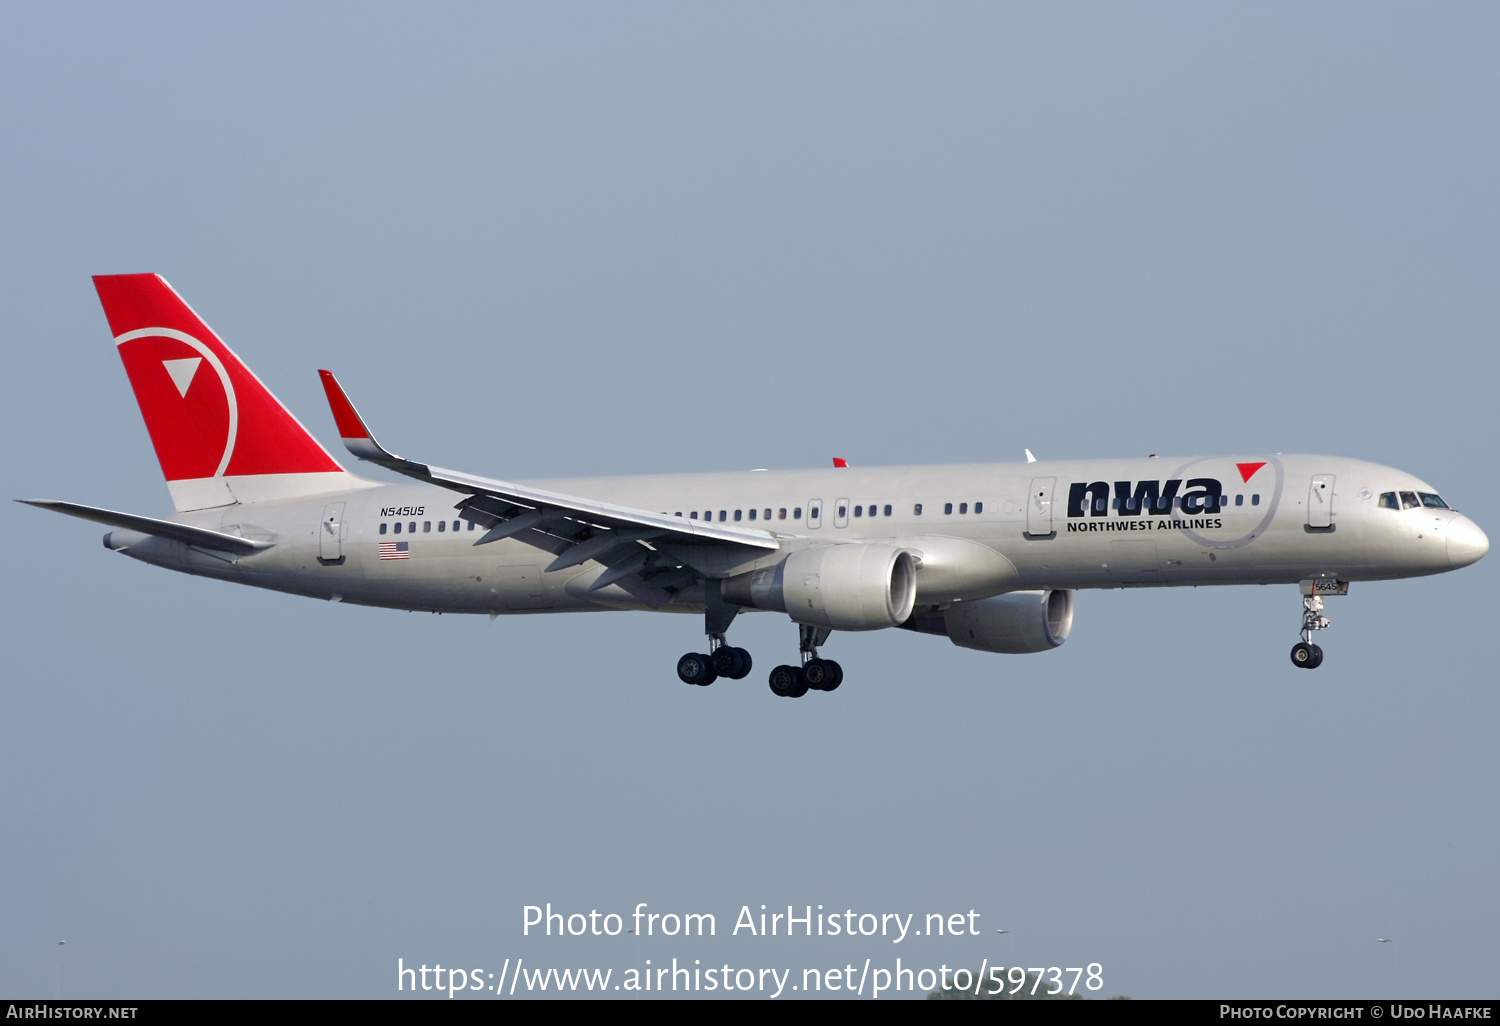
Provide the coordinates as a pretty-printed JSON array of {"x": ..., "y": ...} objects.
[
  {"x": 1388, "y": 501},
  {"x": 843, "y": 511},
  {"x": 963, "y": 507},
  {"x": 1409, "y": 500},
  {"x": 723, "y": 515},
  {"x": 1098, "y": 504},
  {"x": 812, "y": 514},
  {"x": 1255, "y": 499},
  {"x": 456, "y": 524},
  {"x": 916, "y": 510},
  {"x": 752, "y": 515},
  {"x": 736, "y": 514},
  {"x": 768, "y": 514},
  {"x": 693, "y": 515},
  {"x": 382, "y": 529},
  {"x": 398, "y": 527},
  {"x": 781, "y": 513},
  {"x": 947, "y": 507},
  {"x": 471, "y": 525},
  {"x": 442, "y": 526},
  {"x": 859, "y": 511},
  {"x": 979, "y": 506},
  {"x": 1115, "y": 504},
  {"x": 1432, "y": 501},
  {"x": 427, "y": 527},
  {"x": 678, "y": 513},
  {"x": 412, "y": 527},
  {"x": 1239, "y": 500},
  {"x": 888, "y": 511}
]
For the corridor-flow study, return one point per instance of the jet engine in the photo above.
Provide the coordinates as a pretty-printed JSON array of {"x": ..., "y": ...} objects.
[
  {"x": 853, "y": 587},
  {"x": 1018, "y": 621}
]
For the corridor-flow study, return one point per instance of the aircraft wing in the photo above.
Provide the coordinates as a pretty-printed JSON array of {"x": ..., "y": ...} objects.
[
  {"x": 197, "y": 536},
  {"x": 651, "y": 555}
]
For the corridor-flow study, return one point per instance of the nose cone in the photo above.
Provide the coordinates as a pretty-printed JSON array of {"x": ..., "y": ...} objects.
[{"x": 1466, "y": 542}]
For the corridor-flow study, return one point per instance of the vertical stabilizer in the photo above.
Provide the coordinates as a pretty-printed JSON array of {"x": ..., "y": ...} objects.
[{"x": 220, "y": 435}]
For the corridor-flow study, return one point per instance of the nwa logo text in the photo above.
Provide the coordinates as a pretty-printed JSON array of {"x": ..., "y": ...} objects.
[{"x": 1204, "y": 496}]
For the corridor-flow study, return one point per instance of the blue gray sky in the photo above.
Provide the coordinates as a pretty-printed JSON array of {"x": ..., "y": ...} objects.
[{"x": 551, "y": 240}]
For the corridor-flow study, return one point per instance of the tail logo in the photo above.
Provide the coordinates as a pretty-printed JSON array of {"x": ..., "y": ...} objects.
[{"x": 184, "y": 370}]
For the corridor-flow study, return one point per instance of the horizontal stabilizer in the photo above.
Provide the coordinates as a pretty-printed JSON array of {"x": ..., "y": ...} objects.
[{"x": 198, "y": 536}]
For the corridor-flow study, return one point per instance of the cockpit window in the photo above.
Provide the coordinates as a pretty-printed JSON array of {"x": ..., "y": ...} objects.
[
  {"x": 1409, "y": 500},
  {"x": 1388, "y": 501},
  {"x": 1433, "y": 501}
]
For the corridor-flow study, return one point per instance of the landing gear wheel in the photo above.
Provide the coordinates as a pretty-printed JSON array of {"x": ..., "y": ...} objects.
[
  {"x": 788, "y": 682},
  {"x": 745, "y": 663},
  {"x": 733, "y": 663},
  {"x": 1317, "y": 658},
  {"x": 835, "y": 675},
  {"x": 696, "y": 668},
  {"x": 1306, "y": 656},
  {"x": 817, "y": 674}
]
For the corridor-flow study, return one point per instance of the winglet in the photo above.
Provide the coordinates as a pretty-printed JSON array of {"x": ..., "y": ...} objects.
[
  {"x": 840, "y": 463},
  {"x": 355, "y": 436}
]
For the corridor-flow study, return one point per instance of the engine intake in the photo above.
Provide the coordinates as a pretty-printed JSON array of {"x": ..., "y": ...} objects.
[
  {"x": 852, "y": 587},
  {"x": 1018, "y": 621}
]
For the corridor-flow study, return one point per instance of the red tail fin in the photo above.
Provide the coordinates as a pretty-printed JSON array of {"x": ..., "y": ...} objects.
[{"x": 220, "y": 435}]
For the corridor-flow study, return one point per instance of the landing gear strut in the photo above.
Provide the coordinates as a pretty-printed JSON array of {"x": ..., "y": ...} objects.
[
  {"x": 1305, "y": 654},
  {"x": 815, "y": 673},
  {"x": 721, "y": 659}
]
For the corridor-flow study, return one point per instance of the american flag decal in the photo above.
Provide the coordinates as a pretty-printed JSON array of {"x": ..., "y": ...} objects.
[{"x": 394, "y": 550}]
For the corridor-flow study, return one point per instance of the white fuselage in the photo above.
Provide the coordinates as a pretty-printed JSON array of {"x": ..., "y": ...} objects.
[{"x": 978, "y": 530}]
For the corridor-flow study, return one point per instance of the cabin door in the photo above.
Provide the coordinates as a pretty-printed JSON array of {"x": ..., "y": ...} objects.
[
  {"x": 331, "y": 534},
  {"x": 1320, "y": 501},
  {"x": 1039, "y": 508}
]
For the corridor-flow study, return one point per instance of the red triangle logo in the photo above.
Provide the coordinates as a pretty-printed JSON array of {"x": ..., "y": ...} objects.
[{"x": 1247, "y": 470}]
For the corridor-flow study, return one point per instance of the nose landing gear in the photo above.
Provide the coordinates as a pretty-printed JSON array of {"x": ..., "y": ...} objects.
[{"x": 1306, "y": 655}]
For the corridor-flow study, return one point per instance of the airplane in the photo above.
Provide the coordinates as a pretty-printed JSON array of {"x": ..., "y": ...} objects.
[{"x": 988, "y": 555}]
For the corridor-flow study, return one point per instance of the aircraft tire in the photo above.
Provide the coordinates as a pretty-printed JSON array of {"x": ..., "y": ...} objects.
[
  {"x": 1317, "y": 659},
  {"x": 696, "y": 668},
  {"x": 1304, "y": 656},
  {"x": 743, "y": 666},
  {"x": 787, "y": 682},
  {"x": 816, "y": 674},
  {"x": 733, "y": 663},
  {"x": 835, "y": 676}
]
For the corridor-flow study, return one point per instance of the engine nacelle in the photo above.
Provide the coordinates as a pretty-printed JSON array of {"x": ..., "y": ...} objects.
[
  {"x": 851, "y": 587},
  {"x": 1018, "y": 621}
]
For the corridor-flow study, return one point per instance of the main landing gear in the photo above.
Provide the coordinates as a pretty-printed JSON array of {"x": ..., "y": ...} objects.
[
  {"x": 721, "y": 659},
  {"x": 815, "y": 673},
  {"x": 724, "y": 660},
  {"x": 1305, "y": 654}
]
